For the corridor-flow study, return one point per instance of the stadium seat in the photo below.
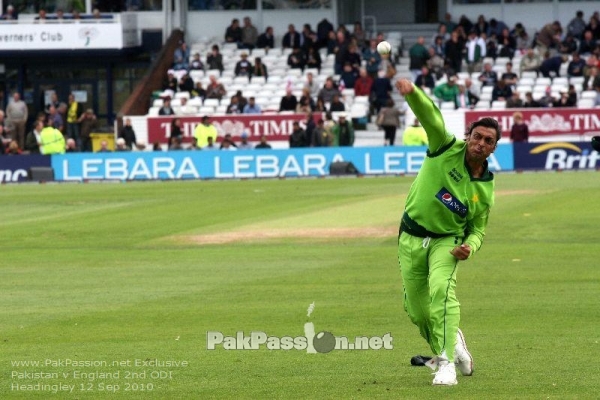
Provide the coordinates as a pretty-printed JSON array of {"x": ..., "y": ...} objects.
[
  {"x": 529, "y": 74},
  {"x": 361, "y": 100},
  {"x": 498, "y": 105},
  {"x": 182, "y": 95},
  {"x": 359, "y": 110},
  {"x": 153, "y": 111},
  {"x": 157, "y": 103},
  {"x": 196, "y": 74},
  {"x": 211, "y": 102},
  {"x": 482, "y": 105},
  {"x": 576, "y": 80},
  {"x": 447, "y": 105},
  {"x": 195, "y": 102},
  {"x": 585, "y": 103},
  {"x": 259, "y": 53},
  {"x": 221, "y": 110},
  {"x": 258, "y": 80},
  {"x": 543, "y": 81},
  {"x": 213, "y": 72},
  {"x": 206, "y": 110},
  {"x": 589, "y": 94}
]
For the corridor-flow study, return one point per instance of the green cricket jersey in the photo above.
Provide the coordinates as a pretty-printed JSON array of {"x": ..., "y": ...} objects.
[{"x": 444, "y": 199}]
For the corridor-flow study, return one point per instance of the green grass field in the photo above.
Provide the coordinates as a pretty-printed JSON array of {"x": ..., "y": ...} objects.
[{"x": 114, "y": 273}]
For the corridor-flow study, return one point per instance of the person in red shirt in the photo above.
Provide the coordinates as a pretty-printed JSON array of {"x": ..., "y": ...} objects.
[{"x": 362, "y": 86}]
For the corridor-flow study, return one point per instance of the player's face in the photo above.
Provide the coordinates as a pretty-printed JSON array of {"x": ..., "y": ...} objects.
[{"x": 481, "y": 143}]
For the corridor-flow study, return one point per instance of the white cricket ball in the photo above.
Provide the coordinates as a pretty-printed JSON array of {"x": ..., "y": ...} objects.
[{"x": 384, "y": 48}]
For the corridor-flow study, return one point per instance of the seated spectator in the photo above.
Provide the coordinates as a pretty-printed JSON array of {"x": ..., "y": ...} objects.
[
  {"x": 425, "y": 79},
  {"x": 509, "y": 77},
  {"x": 234, "y": 106},
  {"x": 228, "y": 143},
  {"x": 243, "y": 67},
  {"x": 306, "y": 101},
  {"x": 263, "y": 144},
  {"x": 491, "y": 45},
  {"x": 252, "y": 107},
  {"x": 564, "y": 100},
  {"x": 568, "y": 46},
  {"x": 507, "y": 44},
  {"x": 438, "y": 44},
  {"x": 249, "y": 34},
  {"x": 71, "y": 146},
  {"x": 496, "y": 27},
  {"x": 13, "y": 149},
  {"x": 233, "y": 33},
  {"x": 170, "y": 83},
  {"x": 298, "y": 136},
  {"x": 362, "y": 86},
  {"x": 291, "y": 39},
  {"x": 186, "y": 84},
  {"x": 185, "y": 109},
  {"x": 488, "y": 77},
  {"x": 530, "y": 62},
  {"x": 514, "y": 101},
  {"x": 307, "y": 38},
  {"x": 435, "y": 64},
  {"x": 572, "y": 95},
  {"x": 181, "y": 57},
  {"x": 215, "y": 90},
  {"x": 266, "y": 40},
  {"x": 166, "y": 108},
  {"x": 447, "y": 91},
  {"x": 328, "y": 91},
  {"x": 530, "y": 102},
  {"x": 576, "y": 66},
  {"x": 311, "y": 85},
  {"x": 214, "y": 60},
  {"x": 313, "y": 59},
  {"x": 588, "y": 44},
  {"x": 472, "y": 91},
  {"x": 549, "y": 37},
  {"x": 199, "y": 91},
  {"x": 591, "y": 62},
  {"x": 501, "y": 91},
  {"x": 336, "y": 104},
  {"x": 521, "y": 37},
  {"x": 463, "y": 99},
  {"x": 197, "y": 64},
  {"x": 348, "y": 76},
  {"x": 259, "y": 69},
  {"x": 546, "y": 100},
  {"x": 194, "y": 145},
  {"x": 10, "y": 13},
  {"x": 320, "y": 105},
  {"x": 296, "y": 60},
  {"x": 552, "y": 65},
  {"x": 332, "y": 45},
  {"x": 594, "y": 26},
  {"x": 576, "y": 26},
  {"x": 241, "y": 101},
  {"x": 288, "y": 102},
  {"x": 592, "y": 80},
  {"x": 353, "y": 57},
  {"x": 244, "y": 144},
  {"x": 175, "y": 143}
]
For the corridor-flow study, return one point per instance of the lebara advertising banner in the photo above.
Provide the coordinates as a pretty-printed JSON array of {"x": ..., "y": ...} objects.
[
  {"x": 544, "y": 121},
  {"x": 246, "y": 164},
  {"x": 15, "y": 168},
  {"x": 556, "y": 156},
  {"x": 275, "y": 127}
]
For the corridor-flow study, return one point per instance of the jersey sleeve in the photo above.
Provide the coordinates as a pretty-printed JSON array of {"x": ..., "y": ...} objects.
[
  {"x": 476, "y": 231},
  {"x": 430, "y": 118}
]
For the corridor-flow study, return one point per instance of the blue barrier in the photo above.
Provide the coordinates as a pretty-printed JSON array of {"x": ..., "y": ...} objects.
[
  {"x": 15, "y": 168},
  {"x": 248, "y": 163}
]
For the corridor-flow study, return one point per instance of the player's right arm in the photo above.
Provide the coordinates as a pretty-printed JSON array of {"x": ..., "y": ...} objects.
[{"x": 427, "y": 113}]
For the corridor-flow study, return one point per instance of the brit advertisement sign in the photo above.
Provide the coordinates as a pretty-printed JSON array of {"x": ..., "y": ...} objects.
[
  {"x": 556, "y": 156},
  {"x": 16, "y": 168}
]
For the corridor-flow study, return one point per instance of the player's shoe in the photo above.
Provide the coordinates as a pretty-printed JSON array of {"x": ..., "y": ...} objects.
[
  {"x": 462, "y": 357},
  {"x": 446, "y": 374}
]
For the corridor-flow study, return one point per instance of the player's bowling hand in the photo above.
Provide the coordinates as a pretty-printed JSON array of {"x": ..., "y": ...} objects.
[
  {"x": 405, "y": 86},
  {"x": 461, "y": 252}
]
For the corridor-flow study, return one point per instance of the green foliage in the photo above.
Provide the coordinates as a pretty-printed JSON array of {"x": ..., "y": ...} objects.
[{"x": 117, "y": 272}]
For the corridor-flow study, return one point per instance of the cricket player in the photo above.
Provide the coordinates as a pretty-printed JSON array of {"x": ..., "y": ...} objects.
[{"x": 443, "y": 223}]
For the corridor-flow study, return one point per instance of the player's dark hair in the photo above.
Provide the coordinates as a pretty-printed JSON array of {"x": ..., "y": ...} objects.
[{"x": 487, "y": 122}]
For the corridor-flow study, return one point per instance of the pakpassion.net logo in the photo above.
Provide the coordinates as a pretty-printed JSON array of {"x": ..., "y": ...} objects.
[{"x": 322, "y": 342}]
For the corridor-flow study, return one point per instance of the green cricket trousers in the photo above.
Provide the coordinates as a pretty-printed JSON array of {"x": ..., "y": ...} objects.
[{"x": 429, "y": 280}]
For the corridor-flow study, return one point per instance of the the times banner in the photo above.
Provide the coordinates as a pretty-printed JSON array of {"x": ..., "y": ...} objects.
[
  {"x": 274, "y": 127},
  {"x": 544, "y": 121}
]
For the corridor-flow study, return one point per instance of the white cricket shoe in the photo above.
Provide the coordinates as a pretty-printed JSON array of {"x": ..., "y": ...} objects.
[
  {"x": 462, "y": 357},
  {"x": 446, "y": 374}
]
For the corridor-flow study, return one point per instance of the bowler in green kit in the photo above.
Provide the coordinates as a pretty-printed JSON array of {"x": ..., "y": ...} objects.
[{"x": 444, "y": 222}]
